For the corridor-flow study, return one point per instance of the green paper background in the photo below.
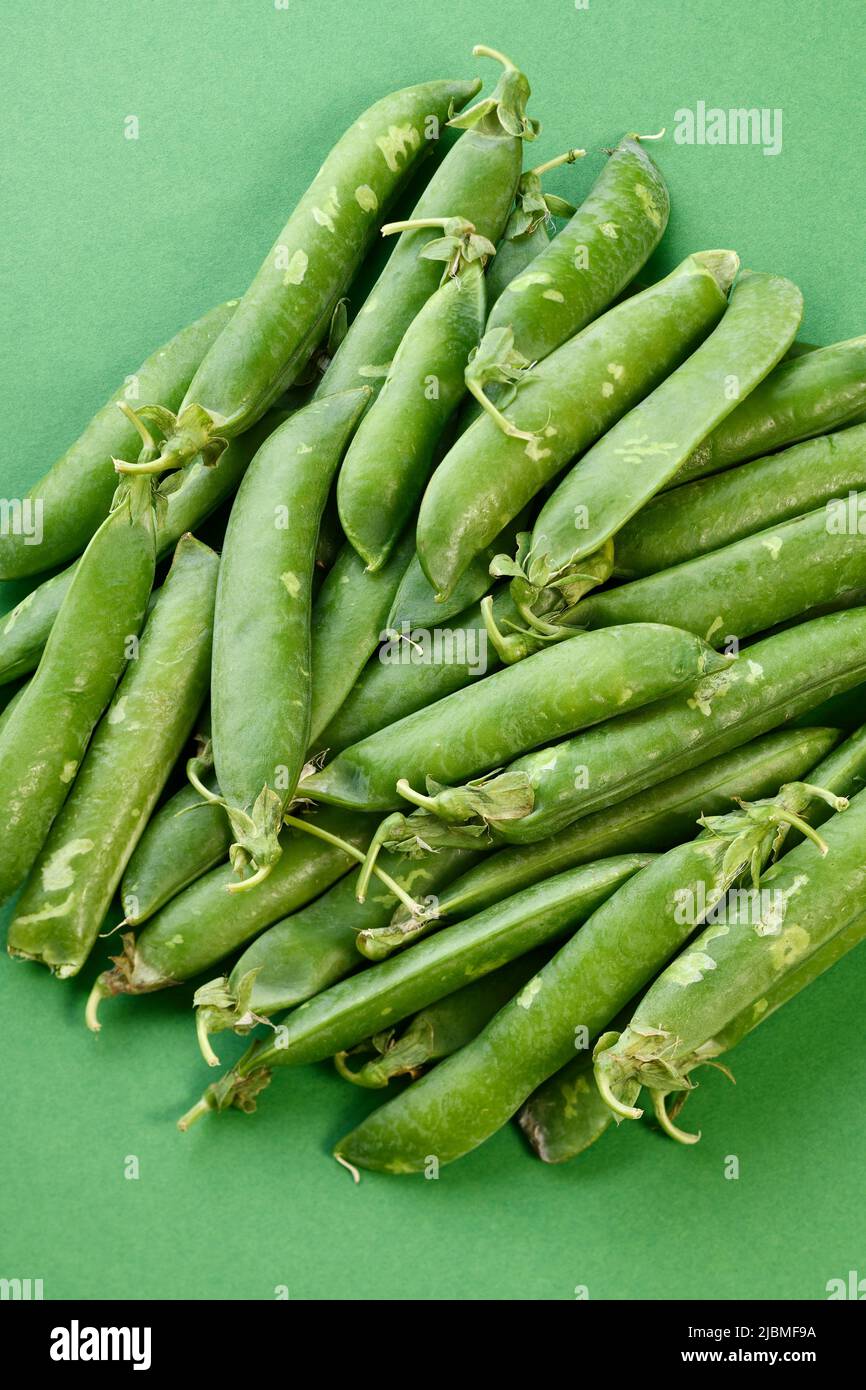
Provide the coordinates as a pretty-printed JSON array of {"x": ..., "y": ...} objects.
[{"x": 111, "y": 245}]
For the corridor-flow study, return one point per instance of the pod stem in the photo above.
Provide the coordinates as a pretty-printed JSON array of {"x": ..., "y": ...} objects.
[
  {"x": 194, "y": 1114},
  {"x": 481, "y": 50},
  {"x": 659, "y": 135},
  {"x": 568, "y": 157},
  {"x": 358, "y": 855},
  {"x": 94, "y": 999},
  {"x": 203, "y": 1037},
  {"x": 612, "y": 1101},
  {"x": 476, "y": 389},
  {"x": 682, "y": 1136},
  {"x": 414, "y": 224},
  {"x": 408, "y": 792}
]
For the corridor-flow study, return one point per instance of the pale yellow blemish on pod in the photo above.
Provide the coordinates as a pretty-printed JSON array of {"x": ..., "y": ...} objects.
[
  {"x": 648, "y": 203},
  {"x": 756, "y": 671},
  {"x": 535, "y": 451},
  {"x": 689, "y": 969},
  {"x": 713, "y": 627},
  {"x": 324, "y": 219},
  {"x": 625, "y": 696},
  {"x": 175, "y": 941},
  {"x": 529, "y": 993},
  {"x": 617, "y": 370},
  {"x": 79, "y": 683},
  {"x": 117, "y": 713},
  {"x": 550, "y": 431},
  {"x": 57, "y": 873},
  {"x": 400, "y": 140},
  {"x": 297, "y": 268},
  {"x": 47, "y": 914},
  {"x": 17, "y": 611},
  {"x": 291, "y": 583},
  {"x": 304, "y": 449},
  {"x": 610, "y": 230},
  {"x": 790, "y": 947},
  {"x": 67, "y": 772},
  {"x": 759, "y": 1008},
  {"x": 774, "y": 545},
  {"x": 607, "y": 389},
  {"x": 366, "y": 198},
  {"x": 555, "y": 295},
  {"x": 525, "y": 282}
]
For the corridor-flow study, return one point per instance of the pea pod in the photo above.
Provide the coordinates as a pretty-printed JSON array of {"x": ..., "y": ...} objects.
[
  {"x": 181, "y": 841},
  {"x": 566, "y": 1114},
  {"x": 352, "y": 1010},
  {"x": 25, "y": 630},
  {"x": 44, "y": 739},
  {"x": 712, "y": 512},
  {"x": 812, "y": 896},
  {"x": 75, "y": 495},
  {"x": 651, "y": 821},
  {"x": 612, "y": 234},
  {"x": 414, "y": 668},
  {"x": 126, "y": 766},
  {"x": 552, "y": 693},
  {"x": 771, "y": 683},
  {"x": 526, "y": 234},
  {"x": 802, "y": 565},
  {"x": 262, "y": 636},
  {"x": 202, "y": 925},
  {"x": 469, "y": 1096},
  {"x": 349, "y": 618},
  {"x": 803, "y": 397},
  {"x": 440, "y": 1029},
  {"x": 646, "y": 448},
  {"x": 305, "y": 953},
  {"x": 478, "y": 176},
  {"x": 391, "y": 456},
  {"x": 287, "y": 308},
  {"x": 561, "y": 406},
  {"x": 416, "y": 603}
]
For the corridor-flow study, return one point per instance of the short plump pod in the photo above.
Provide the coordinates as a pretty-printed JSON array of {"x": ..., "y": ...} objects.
[
  {"x": 645, "y": 449},
  {"x": 75, "y": 494},
  {"x": 477, "y": 178},
  {"x": 740, "y": 956},
  {"x": 303, "y": 954},
  {"x": 286, "y": 310},
  {"x": 612, "y": 234},
  {"x": 651, "y": 821},
  {"x": 44, "y": 739},
  {"x": 391, "y": 457},
  {"x": 772, "y": 682},
  {"x": 715, "y": 511},
  {"x": 414, "y": 668},
  {"x": 352, "y": 1010},
  {"x": 623, "y": 944},
  {"x": 25, "y": 630},
  {"x": 560, "y": 408},
  {"x": 127, "y": 764},
  {"x": 801, "y": 398},
  {"x": 203, "y": 924},
  {"x": 809, "y": 563},
  {"x": 184, "y": 838},
  {"x": 350, "y": 616},
  {"x": 482, "y": 726},
  {"x": 262, "y": 657},
  {"x": 440, "y": 1029}
]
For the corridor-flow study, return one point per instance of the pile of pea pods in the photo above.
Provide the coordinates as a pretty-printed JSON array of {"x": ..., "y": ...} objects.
[{"x": 503, "y": 746}]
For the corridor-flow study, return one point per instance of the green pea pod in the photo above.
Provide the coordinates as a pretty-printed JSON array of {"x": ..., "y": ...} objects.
[
  {"x": 803, "y": 397},
  {"x": 262, "y": 636},
  {"x": 743, "y": 953},
  {"x": 126, "y": 766},
  {"x": 772, "y": 682},
  {"x": 414, "y": 668},
  {"x": 646, "y": 448},
  {"x": 526, "y": 234},
  {"x": 754, "y": 584},
  {"x": 711, "y": 512},
  {"x": 623, "y": 944},
  {"x": 391, "y": 456},
  {"x": 441, "y": 1028},
  {"x": 561, "y": 406},
  {"x": 203, "y": 924},
  {"x": 552, "y": 693},
  {"x": 478, "y": 176},
  {"x": 349, "y": 617},
  {"x": 352, "y": 1010},
  {"x": 25, "y": 630},
  {"x": 566, "y": 1114},
  {"x": 289, "y": 305},
  {"x": 415, "y": 602},
  {"x": 298, "y": 957},
  {"x": 651, "y": 821},
  {"x": 75, "y": 495},
  {"x": 612, "y": 234},
  {"x": 44, "y": 739},
  {"x": 181, "y": 841}
]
